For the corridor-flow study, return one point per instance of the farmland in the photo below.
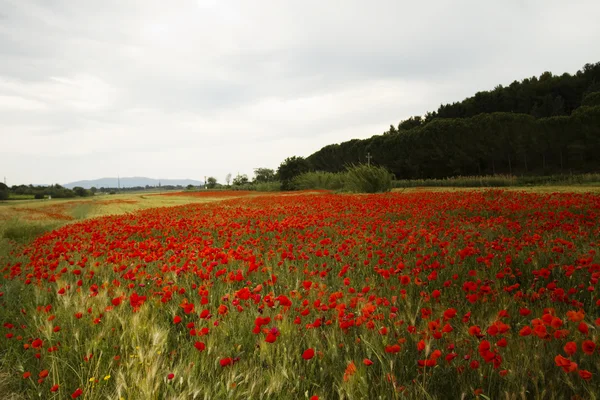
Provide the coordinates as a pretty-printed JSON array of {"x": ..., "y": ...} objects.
[{"x": 413, "y": 294}]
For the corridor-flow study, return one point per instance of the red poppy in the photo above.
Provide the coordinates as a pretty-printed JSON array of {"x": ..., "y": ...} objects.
[
  {"x": 226, "y": 361},
  {"x": 583, "y": 328},
  {"x": 585, "y": 375},
  {"x": 525, "y": 331},
  {"x": 588, "y": 347},
  {"x": 200, "y": 346},
  {"x": 308, "y": 354},
  {"x": 78, "y": 392},
  {"x": 367, "y": 362},
  {"x": 570, "y": 348}
]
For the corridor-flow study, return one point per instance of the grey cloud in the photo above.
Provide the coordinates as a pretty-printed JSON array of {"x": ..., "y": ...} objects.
[{"x": 167, "y": 82}]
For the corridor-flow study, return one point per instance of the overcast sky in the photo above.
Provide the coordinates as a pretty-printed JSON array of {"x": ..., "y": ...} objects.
[{"x": 187, "y": 89}]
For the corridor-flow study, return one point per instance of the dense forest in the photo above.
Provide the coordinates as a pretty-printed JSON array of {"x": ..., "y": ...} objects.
[{"x": 544, "y": 125}]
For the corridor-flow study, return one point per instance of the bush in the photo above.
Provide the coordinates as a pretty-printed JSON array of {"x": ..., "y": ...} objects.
[
  {"x": 3, "y": 195},
  {"x": 320, "y": 180},
  {"x": 274, "y": 186},
  {"x": 364, "y": 178},
  {"x": 38, "y": 196}
]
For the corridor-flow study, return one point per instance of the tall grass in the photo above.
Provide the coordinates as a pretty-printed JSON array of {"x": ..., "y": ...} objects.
[
  {"x": 500, "y": 181},
  {"x": 320, "y": 180},
  {"x": 25, "y": 232},
  {"x": 360, "y": 178},
  {"x": 364, "y": 178}
]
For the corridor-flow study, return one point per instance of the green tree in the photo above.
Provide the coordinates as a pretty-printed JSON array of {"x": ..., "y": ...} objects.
[
  {"x": 211, "y": 182},
  {"x": 3, "y": 191},
  {"x": 591, "y": 99},
  {"x": 240, "y": 180},
  {"x": 81, "y": 192},
  {"x": 264, "y": 175},
  {"x": 290, "y": 168}
]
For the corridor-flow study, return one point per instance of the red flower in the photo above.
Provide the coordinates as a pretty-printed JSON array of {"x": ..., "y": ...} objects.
[
  {"x": 26, "y": 375},
  {"x": 350, "y": 370},
  {"x": 177, "y": 319},
  {"x": 271, "y": 338},
  {"x": 54, "y": 388},
  {"x": 449, "y": 313},
  {"x": 43, "y": 373},
  {"x": 226, "y": 361},
  {"x": 200, "y": 346},
  {"x": 566, "y": 364},
  {"x": 170, "y": 376},
  {"x": 588, "y": 347},
  {"x": 77, "y": 393},
  {"x": 367, "y": 362},
  {"x": 583, "y": 328},
  {"x": 570, "y": 348},
  {"x": 525, "y": 331},
  {"x": 524, "y": 312},
  {"x": 585, "y": 375},
  {"x": 308, "y": 354}
]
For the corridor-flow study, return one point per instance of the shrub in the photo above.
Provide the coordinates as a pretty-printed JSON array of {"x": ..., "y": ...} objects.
[
  {"x": 38, "y": 196},
  {"x": 274, "y": 186},
  {"x": 320, "y": 180},
  {"x": 364, "y": 178}
]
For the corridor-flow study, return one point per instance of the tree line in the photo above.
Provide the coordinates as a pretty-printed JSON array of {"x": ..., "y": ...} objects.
[{"x": 544, "y": 125}]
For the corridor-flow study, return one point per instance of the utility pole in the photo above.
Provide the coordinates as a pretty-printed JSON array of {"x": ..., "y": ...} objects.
[{"x": 369, "y": 159}]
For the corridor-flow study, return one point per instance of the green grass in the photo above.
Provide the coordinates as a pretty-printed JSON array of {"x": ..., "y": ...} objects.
[
  {"x": 13, "y": 196},
  {"x": 502, "y": 181}
]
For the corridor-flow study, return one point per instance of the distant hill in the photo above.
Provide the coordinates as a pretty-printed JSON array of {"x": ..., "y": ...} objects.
[{"x": 131, "y": 182}]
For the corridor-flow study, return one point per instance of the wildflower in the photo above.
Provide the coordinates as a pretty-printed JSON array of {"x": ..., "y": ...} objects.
[{"x": 308, "y": 354}]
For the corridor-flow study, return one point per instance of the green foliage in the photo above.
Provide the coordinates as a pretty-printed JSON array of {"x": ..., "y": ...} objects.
[
  {"x": 56, "y": 191},
  {"x": 240, "y": 180},
  {"x": 591, "y": 100},
  {"x": 38, "y": 196},
  {"x": 533, "y": 127},
  {"x": 211, "y": 182},
  {"x": 364, "y": 178},
  {"x": 262, "y": 175},
  {"x": 320, "y": 180},
  {"x": 290, "y": 168},
  {"x": 3, "y": 194},
  {"x": 274, "y": 186},
  {"x": 501, "y": 181},
  {"x": 81, "y": 192}
]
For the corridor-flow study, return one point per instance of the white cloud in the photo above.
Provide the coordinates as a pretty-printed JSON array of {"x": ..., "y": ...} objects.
[{"x": 205, "y": 87}]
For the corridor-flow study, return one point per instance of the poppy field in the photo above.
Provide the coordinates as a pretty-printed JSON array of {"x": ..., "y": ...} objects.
[{"x": 468, "y": 294}]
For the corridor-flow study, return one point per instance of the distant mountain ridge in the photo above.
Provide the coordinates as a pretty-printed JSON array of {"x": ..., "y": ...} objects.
[{"x": 135, "y": 181}]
